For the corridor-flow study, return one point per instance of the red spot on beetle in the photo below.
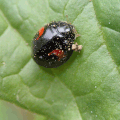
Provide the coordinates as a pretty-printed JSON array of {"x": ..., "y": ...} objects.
[
  {"x": 58, "y": 53},
  {"x": 40, "y": 32}
]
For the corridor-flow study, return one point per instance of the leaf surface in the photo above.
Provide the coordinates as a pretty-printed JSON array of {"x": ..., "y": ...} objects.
[{"x": 87, "y": 86}]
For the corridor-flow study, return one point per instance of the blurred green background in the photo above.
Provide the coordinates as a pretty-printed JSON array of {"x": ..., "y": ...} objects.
[{"x": 10, "y": 111}]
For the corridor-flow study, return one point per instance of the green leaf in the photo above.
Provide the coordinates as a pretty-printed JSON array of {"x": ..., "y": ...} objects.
[{"x": 87, "y": 86}]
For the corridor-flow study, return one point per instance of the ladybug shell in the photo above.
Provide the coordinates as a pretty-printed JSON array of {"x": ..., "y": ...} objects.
[{"x": 52, "y": 44}]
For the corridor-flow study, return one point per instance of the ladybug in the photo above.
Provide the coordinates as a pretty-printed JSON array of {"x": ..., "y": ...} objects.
[{"x": 53, "y": 44}]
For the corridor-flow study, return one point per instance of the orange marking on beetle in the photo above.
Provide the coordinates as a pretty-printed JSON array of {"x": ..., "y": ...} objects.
[
  {"x": 40, "y": 32},
  {"x": 58, "y": 53}
]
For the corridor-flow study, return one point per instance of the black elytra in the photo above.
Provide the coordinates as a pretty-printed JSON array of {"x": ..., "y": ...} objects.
[{"x": 52, "y": 44}]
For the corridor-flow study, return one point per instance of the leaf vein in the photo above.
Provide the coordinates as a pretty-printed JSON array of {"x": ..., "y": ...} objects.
[
  {"x": 105, "y": 41},
  {"x": 80, "y": 13},
  {"x": 13, "y": 27}
]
